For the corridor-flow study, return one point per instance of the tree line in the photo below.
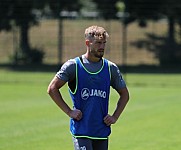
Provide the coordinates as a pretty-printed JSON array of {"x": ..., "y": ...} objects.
[{"x": 21, "y": 13}]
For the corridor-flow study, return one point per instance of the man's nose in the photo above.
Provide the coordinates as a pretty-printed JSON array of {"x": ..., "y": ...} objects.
[{"x": 102, "y": 45}]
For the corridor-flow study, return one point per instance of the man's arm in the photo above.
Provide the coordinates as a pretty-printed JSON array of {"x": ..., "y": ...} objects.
[
  {"x": 53, "y": 91},
  {"x": 123, "y": 100}
]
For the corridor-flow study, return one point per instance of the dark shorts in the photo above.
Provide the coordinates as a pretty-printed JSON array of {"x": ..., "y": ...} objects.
[{"x": 90, "y": 144}]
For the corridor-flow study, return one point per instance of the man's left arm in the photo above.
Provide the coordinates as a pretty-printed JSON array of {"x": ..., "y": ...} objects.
[{"x": 123, "y": 100}]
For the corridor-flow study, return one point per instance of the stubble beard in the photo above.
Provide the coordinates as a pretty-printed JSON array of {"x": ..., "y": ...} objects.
[{"x": 98, "y": 54}]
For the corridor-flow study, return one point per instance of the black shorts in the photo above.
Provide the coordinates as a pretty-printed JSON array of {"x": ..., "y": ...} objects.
[{"x": 90, "y": 144}]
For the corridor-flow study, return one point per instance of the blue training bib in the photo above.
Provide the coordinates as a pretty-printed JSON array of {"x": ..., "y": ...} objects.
[{"x": 91, "y": 96}]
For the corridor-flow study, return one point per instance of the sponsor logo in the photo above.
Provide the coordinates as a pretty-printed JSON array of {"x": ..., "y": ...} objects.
[
  {"x": 86, "y": 93},
  {"x": 83, "y": 148}
]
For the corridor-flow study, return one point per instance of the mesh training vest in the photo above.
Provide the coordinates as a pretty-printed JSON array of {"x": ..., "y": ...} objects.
[{"x": 91, "y": 96}]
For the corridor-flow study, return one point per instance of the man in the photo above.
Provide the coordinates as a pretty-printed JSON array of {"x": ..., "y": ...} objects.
[{"x": 89, "y": 79}]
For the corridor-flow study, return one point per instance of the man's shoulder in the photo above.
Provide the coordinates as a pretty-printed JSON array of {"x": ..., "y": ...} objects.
[
  {"x": 111, "y": 64},
  {"x": 69, "y": 63},
  {"x": 67, "y": 70}
]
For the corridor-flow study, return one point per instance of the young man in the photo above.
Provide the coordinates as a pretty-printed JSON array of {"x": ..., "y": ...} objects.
[{"x": 89, "y": 79}]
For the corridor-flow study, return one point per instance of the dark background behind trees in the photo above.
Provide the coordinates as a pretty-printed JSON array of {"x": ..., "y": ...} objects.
[
  {"x": 144, "y": 10},
  {"x": 26, "y": 13}
]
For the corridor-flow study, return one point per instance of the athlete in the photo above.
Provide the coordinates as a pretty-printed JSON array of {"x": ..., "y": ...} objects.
[{"x": 89, "y": 78}]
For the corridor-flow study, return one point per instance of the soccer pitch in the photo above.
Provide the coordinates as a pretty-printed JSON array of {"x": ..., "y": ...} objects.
[{"x": 30, "y": 120}]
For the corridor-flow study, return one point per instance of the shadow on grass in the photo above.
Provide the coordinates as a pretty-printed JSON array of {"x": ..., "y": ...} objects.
[
  {"x": 123, "y": 69},
  {"x": 172, "y": 69},
  {"x": 31, "y": 67}
]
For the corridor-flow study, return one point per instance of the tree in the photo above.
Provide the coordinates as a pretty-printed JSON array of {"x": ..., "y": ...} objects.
[
  {"x": 5, "y": 14},
  {"x": 59, "y": 5},
  {"x": 23, "y": 17},
  {"x": 143, "y": 10},
  {"x": 107, "y": 8},
  {"x": 56, "y": 7},
  {"x": 20, "y": 13}
]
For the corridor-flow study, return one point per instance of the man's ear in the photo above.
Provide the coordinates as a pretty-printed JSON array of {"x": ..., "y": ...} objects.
[{"x": 87, "y": 42}]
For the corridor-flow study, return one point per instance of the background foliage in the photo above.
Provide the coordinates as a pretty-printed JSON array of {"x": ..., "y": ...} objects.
[{"x": 26, "y": 14}]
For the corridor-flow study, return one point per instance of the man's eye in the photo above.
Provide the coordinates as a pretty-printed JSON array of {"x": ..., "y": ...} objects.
[{"x": 98, "y": 42}]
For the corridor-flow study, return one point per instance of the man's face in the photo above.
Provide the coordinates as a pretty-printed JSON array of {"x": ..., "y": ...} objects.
[{"x": 97, "y": 47}]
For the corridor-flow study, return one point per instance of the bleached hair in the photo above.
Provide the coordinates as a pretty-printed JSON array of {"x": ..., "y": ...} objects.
[{"x": 95, "y": 32}]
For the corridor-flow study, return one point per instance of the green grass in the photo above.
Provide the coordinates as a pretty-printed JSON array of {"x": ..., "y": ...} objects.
[{"x": 29, "y": 119}]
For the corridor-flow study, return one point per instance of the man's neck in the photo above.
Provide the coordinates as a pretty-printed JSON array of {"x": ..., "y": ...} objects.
[{"x": 91, "y": 58}]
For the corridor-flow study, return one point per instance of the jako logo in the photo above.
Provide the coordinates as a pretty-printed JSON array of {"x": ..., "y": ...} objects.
[
  {"x": 86, "y": 93},
  {"x": 83, "y": 148}
]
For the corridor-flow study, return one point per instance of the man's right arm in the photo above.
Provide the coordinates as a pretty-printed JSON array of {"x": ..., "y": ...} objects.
[
  {"x": 53, "y": 91},
  {"x": 66, "y": 73}
]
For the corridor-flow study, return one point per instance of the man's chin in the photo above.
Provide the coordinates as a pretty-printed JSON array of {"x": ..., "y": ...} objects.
[{"x": 99, "y": 56}]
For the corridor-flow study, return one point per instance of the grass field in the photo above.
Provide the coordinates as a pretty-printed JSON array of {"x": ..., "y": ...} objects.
[{"x": 30, "y": 120}]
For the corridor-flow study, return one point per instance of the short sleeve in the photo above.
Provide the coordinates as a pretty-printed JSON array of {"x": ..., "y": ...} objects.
[
  {"x": 67, "y": 71},
  {"x": 117, "y": 81}
]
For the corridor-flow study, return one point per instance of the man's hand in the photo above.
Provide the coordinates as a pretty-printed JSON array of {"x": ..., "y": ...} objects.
[
  {"x": 108, "y": 120},
  {"x": 75, "y": 114}
]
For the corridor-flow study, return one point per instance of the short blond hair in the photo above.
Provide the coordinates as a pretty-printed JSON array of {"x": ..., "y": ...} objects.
[{"x": 95, "y": 32}]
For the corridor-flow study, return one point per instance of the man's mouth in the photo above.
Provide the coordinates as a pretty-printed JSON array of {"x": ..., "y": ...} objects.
[{"x": 101, "y": 50}]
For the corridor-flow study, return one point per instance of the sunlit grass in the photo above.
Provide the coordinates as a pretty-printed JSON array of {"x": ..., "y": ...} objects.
[{"x": 31, "y": 120}]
